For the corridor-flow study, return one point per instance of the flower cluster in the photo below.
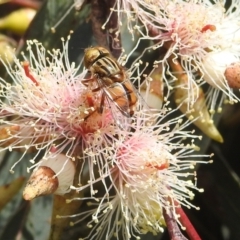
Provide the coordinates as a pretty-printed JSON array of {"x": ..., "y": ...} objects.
[
  {"x": 50, "y": 108},
  {"x": 142, "y": 163}
]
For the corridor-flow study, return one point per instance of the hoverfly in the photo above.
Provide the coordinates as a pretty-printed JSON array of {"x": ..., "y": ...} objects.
[{"x": 111, "y": 79}]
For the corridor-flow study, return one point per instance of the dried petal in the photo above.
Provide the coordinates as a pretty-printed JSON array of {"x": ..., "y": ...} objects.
[{"x": 9, "y": 190}]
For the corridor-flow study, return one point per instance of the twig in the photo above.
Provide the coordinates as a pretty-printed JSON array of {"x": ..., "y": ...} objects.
[
  {"x": 172, "y": 226},
  {"x": 114, "y": 37},
  {"x": 191, "y": 231}
]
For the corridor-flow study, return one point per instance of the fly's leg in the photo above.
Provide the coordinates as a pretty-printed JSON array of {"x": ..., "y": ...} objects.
[
  {"x": 87, "y": 82},
  {"x": 100, "y": 110}
]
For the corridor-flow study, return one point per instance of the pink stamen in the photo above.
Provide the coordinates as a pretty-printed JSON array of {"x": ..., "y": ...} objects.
[
  {"x": 158, "y": 167},
  {"x": 53, "y": 149},
  {"x": 27, "y": 72},
  {"x": 208, "y": 27}
]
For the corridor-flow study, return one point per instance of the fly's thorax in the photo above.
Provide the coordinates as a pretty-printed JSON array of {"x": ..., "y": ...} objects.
[
  {"x": 106, "y": 67},
  {"x": 110, "y": 80},
  {"x": 92, "y": 54}
]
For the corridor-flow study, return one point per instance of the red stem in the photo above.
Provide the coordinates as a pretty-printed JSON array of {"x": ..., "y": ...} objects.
[
  {"x": 172, "y": 226},
  {"x": 191, "y": 231},
  {"x": 27, "y": 72}
]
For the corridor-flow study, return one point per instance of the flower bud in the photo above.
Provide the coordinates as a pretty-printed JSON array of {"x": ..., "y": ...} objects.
[
  {"x": 152, "y": 91},
  {"x": 18, "y": 21},
  {"x": 214, "y": 69},
  {"x": 9, "y": 44},
  {"x": 53, "y": 176},
  {"x": 199, "y": 112},
  {"x": 7, "y": 133}
]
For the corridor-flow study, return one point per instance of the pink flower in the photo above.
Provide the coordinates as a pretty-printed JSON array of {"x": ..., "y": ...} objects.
[
  {"x": 48, "y": 108},
  {"x": 149, "y": 170},
  {"x": 204, "y": 36}
]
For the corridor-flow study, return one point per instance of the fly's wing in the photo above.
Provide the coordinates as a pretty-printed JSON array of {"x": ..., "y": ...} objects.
[
  {"x": 117, "y": 102},
  {"x": 126, "y": 97},
  {"x": 122, "y": 98},
  {"x": 117, "y": 95}
]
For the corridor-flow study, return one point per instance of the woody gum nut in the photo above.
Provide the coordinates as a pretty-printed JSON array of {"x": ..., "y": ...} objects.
[
  {"x": 232, "y": 75},
  {"x": 42, "y": 182}
]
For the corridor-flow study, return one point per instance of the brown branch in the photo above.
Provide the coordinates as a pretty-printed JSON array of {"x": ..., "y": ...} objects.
[
  {"x": 98, "y": 17},
  {"x": 26, "y": 3}
]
